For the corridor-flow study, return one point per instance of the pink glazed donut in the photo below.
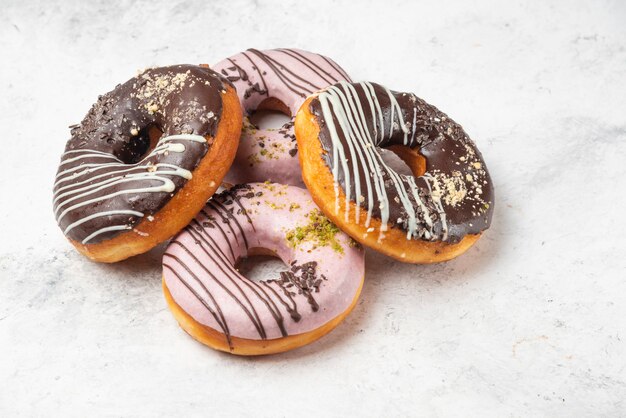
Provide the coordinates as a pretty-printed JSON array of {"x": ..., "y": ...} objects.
[
  {"x": 221, "y": 308},
  {"x": 275, "y": 79}
]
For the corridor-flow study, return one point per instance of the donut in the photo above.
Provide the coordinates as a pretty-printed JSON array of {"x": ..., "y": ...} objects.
[
  {"x": 224, "y": 310},
  {"x": 433, "y": 215},
  {"x": 275, "y": 79},
  {"x": 145, "y": 159}
]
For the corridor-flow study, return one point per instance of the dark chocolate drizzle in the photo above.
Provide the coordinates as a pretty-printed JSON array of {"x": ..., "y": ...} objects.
[
  {"x": 275, "y": 74},
  {"x": 218, "y": 218},
  {"x": 104, "y": 160},
  {"x": 454, "y": 196},
  {"x": 290, "y": 80}
]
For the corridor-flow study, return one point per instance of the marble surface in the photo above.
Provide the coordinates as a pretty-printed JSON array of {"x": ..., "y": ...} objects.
[{"x": 530, "y": 322}]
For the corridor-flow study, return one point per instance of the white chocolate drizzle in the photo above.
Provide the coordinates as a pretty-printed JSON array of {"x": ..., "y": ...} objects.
[{"x": 87, "y": 182}]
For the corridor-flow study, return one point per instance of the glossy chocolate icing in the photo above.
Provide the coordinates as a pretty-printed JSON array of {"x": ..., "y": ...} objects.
[
  {"x": 452, "y": 199},
  {"x": 105, "y": 185}
]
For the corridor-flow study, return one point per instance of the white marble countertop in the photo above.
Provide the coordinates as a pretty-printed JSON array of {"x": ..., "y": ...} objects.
[{"x": 530, "y": 322}]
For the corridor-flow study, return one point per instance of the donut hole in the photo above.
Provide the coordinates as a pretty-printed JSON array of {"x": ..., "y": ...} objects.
[
  {"x": 270, "y": 114},
  {"x": 260, "y": 264},
  {"x": 142, "y": 144},
  {"x": 404, "y": 160}
]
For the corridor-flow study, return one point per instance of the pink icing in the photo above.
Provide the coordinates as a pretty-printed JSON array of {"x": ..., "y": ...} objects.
[
  {"x": 289, "y": 75},
  {"x": 200, "y": 274}
]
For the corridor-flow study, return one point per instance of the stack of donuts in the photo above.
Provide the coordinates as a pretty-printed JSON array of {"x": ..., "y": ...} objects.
[{"x": 145, "y": 166}]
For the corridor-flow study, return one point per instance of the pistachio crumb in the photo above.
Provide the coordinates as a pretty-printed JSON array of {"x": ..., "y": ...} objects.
[{"x": 320, "y": 230}]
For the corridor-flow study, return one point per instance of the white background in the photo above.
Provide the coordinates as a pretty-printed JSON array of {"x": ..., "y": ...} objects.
[{"x": 530, "y": 322}]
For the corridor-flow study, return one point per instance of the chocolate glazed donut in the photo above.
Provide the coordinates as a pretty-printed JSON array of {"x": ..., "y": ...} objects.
[
  {"x": 145, "y": 159},
  {"x": 435, "y": 214}
]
